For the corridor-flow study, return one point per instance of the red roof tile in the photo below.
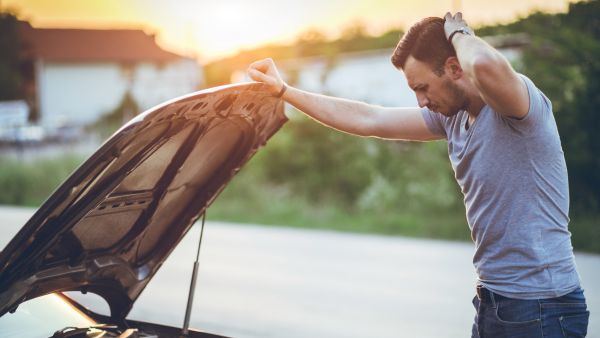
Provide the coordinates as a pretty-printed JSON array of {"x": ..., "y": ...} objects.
[{"x": 89, "y": 45}]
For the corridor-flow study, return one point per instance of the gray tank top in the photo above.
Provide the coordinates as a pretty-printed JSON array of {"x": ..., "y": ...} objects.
[{"x": 513, "y": 176}]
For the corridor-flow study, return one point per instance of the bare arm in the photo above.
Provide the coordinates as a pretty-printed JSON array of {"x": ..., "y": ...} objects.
[
  {"x": 499, "y": 85},
  {"x": 349, "y": 116}
]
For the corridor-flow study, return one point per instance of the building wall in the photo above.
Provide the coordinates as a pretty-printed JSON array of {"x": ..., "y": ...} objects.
[
  {"x": 364, "y": 76},
  {"x": 80, "y": 93},
  {"x": 154, "y": 84}
]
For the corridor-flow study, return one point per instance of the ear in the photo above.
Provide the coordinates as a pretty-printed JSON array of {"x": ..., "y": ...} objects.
[{"x": 453, "y": 68}]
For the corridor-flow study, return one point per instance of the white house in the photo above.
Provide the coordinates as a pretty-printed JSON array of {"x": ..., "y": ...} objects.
[
  {"x": 365, "y": 76},
  {"x": 79, "y": 74}
]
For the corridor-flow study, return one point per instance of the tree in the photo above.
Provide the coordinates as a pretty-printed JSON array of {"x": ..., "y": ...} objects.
[{"x": 10, "y": 77}]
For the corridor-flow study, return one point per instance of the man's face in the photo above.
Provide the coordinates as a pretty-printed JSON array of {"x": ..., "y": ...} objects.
[{"x": 439, "y": 93}]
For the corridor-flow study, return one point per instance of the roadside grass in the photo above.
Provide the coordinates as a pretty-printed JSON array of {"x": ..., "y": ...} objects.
[
  {"x": 250, "y": 198},
  {"x": 31, "y": 183},
  {"x": 247, "y": 200}
]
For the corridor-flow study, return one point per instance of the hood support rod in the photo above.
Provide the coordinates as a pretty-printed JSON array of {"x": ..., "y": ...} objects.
[{"x": 190, "y": 301}]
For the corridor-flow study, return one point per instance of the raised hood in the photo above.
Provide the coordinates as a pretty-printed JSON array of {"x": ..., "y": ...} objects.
[{"x": 108, "y": 228}]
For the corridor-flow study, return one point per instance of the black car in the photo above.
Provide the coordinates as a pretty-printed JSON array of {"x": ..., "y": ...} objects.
[{"x": 108, "y": 228}]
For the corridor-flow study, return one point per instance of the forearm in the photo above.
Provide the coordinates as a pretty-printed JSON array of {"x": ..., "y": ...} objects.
[
  {"x": 482, "y": 64},
  {"x": 349, "y": 116},
  {"x": 487, "y": 69},
  {"x": 345, "y": 115}
]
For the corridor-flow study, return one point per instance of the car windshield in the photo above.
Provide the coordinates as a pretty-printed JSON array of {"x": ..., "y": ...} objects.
[{"x": 41, "y": 317}]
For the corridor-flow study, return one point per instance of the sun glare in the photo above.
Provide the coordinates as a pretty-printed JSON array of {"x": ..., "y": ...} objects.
[
  {"x": 229, "y": 14},
  {"x": 226, "y": 27}
]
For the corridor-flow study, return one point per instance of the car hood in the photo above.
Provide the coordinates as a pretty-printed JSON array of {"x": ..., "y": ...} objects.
[{"x": 108, "y": 228}]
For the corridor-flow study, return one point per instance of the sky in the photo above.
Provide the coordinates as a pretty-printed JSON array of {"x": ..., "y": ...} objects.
[{"x": 209, "y": 30}]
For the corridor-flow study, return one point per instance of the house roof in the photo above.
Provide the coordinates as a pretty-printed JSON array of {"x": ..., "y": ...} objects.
[{"x": 92, "y": 45}]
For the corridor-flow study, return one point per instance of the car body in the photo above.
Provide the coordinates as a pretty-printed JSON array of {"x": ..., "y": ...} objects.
[{"x": 108, "y": 228}]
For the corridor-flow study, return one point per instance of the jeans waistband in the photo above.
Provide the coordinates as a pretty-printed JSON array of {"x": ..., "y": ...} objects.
[{"x": 484, "y": 295}]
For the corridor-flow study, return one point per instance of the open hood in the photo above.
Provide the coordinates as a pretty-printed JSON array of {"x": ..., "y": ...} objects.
[{"x": 108, "y": 228}]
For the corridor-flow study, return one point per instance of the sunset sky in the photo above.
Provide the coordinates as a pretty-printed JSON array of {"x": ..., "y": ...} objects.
[{"x": 212, "y": 29}]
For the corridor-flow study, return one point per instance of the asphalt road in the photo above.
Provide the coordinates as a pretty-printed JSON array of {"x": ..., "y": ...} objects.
[{"x": 258, "y": 281}]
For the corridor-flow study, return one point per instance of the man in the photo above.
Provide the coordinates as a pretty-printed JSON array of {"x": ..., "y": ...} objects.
[{"x": 506, "y": 154}]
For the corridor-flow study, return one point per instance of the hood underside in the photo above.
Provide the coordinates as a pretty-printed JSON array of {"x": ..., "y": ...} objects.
[{"x": 109, "y": 227}]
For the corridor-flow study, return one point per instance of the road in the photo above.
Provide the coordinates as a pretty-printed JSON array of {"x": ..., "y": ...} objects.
[{"x": 257, "y": 281}]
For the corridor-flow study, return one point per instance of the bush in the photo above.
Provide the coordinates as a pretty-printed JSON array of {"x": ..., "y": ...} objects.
[
  {"x": 314, "y": 177},
  {"x": 32, "y": 183}
]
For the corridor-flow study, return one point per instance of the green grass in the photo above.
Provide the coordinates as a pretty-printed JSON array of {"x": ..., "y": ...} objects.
[
  {"x": 585, "y": 230},
  {"x": 248, "y": 199},
  {"x": 297, "y": 212},
  {"x": 31, "y": 183},
  {"x": 251, "y": 198}
]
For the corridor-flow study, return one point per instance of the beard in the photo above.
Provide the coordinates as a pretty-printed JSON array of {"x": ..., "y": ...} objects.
[{"x": 459, "y": 99}]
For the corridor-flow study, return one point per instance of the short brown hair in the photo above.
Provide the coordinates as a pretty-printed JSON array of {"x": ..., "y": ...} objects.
[{"x": 425, "y": 41}]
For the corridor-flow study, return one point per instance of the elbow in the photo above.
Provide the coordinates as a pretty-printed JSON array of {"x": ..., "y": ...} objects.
[{"x": 368, "y": 125}]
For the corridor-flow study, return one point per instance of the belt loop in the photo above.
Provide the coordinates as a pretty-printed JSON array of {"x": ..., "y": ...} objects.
[
  {"x": 485, "y": 294},
  {"x": 493, "y": 298}
]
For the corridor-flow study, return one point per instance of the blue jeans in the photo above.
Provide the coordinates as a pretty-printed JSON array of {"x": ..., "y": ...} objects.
[{"x": 498, "y": 316}]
